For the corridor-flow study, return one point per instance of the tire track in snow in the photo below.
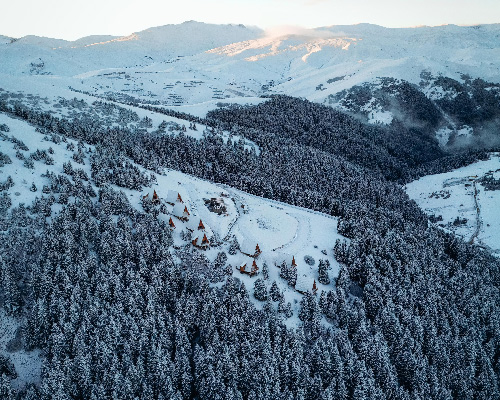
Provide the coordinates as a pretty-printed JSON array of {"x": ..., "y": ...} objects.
[{"x": 479, "y": 221}]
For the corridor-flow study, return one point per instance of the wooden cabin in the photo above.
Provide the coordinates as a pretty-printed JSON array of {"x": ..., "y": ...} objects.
[
  {"x": 181, "y": 212},
  {"x": 171, "y": 223},
  {"x": 156, "y": 198},
  {"x": 197, "y": 225},
  {"x": 249, "y": 250},
  {"x": 249, "y": 270},
  {"x": 194, "y": 226},
  {"x": 278, "y": 258},
  {"x": 304, "y": 285},
  {"x": 201, "y": 242},
  {"x": 173, "y": 197}
]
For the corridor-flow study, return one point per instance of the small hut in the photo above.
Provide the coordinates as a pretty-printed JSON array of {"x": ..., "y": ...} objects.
[
  {"x": 171, "y": 224},
  {"x": 181, "y": 212},
  {"x": 278, "y": 258},
  {"x": 156, "y": 198},
  {"x": 194, "y": 224},
  {"x": 247, "y": 269},
  {"x": 306, "y": 284},
  {"x": 197, "y": 226},
  {"x": 247, "y": 248},
  {"x": 173, "y": 197},
  {"x": 201, "y": 242}
]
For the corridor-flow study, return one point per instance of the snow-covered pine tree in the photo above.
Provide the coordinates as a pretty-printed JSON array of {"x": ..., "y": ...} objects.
[{"x": 260, "y": 290}]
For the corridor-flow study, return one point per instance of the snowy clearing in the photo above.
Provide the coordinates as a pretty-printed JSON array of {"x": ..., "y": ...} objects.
[{"x": 452, "y": 196}]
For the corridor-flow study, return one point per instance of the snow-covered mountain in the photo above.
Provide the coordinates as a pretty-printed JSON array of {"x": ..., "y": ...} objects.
[
  {"x": 194, "y": 66},
  {"x": 234, "y": 60},
  {"x": 154, "y": 45}
]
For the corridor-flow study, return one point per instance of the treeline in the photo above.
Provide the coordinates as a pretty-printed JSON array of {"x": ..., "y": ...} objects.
[
  {"x": 405, "y": 101},
  {"x": 473, "y": 102},
  {"x": 301, "y": 175},
  {"x": 394, "y": 151},
  {"x": 154, "y": 106}
]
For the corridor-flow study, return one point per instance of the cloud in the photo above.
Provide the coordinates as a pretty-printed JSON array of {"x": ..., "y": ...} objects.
[{"x": 285, "y": 30}]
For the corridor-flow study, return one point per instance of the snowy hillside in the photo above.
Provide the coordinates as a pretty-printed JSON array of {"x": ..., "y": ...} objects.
[
  {"x": 194, "y": 62},
  {"x": 464, "y": 201},
  {"x": 155, "y": 45},
  {"x": 283, "y": 232},
  {"x": 194, "y": 67},
  {"x": 35, "y": 165}
]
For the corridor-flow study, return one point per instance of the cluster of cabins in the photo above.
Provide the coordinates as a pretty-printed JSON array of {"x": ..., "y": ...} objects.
[
  {"x": 303, "y": 283},
  {"x": 247, "y": 249},
  {"x": 201, "y": 234}
]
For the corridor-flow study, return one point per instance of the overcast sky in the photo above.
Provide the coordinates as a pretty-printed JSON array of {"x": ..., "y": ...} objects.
[{"x": 72, "y": 19}]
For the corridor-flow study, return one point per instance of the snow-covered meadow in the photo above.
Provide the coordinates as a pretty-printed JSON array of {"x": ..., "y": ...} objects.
[{"x": 461, "y": 194}]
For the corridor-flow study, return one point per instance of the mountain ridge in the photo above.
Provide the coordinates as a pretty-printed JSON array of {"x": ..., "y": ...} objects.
[{"x": 257, "y": 28}]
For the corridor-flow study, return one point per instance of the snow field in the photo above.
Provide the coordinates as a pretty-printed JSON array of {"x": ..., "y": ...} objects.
[
  {"x": 451, "y": 195},
  {"x": 230, "y": 63}
]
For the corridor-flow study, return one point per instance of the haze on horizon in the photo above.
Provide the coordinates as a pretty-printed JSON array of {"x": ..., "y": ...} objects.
[{"x": 73, "y": 20}]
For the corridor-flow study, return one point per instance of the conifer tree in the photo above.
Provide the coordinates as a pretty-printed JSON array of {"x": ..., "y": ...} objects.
[
  {"x": 323, "y": 267},
  {"x": 260, "y": 290}
]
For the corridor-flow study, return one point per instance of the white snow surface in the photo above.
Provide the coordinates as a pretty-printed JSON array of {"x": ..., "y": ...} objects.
[{"x": 23, "y": 177}]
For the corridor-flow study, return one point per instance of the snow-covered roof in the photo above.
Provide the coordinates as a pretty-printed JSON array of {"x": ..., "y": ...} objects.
[
  {"x": 179, "y": 210},
  {"x": 173, "y": 197},
  {"x": 194, "y": 223},
  {"x": 249, "y": 267},
  {"x": 248, "y": 246},
  {"x": 278, "y": 258},
  {"x": 304, "y": 283},
  {"x": 198, "y": 239}
]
